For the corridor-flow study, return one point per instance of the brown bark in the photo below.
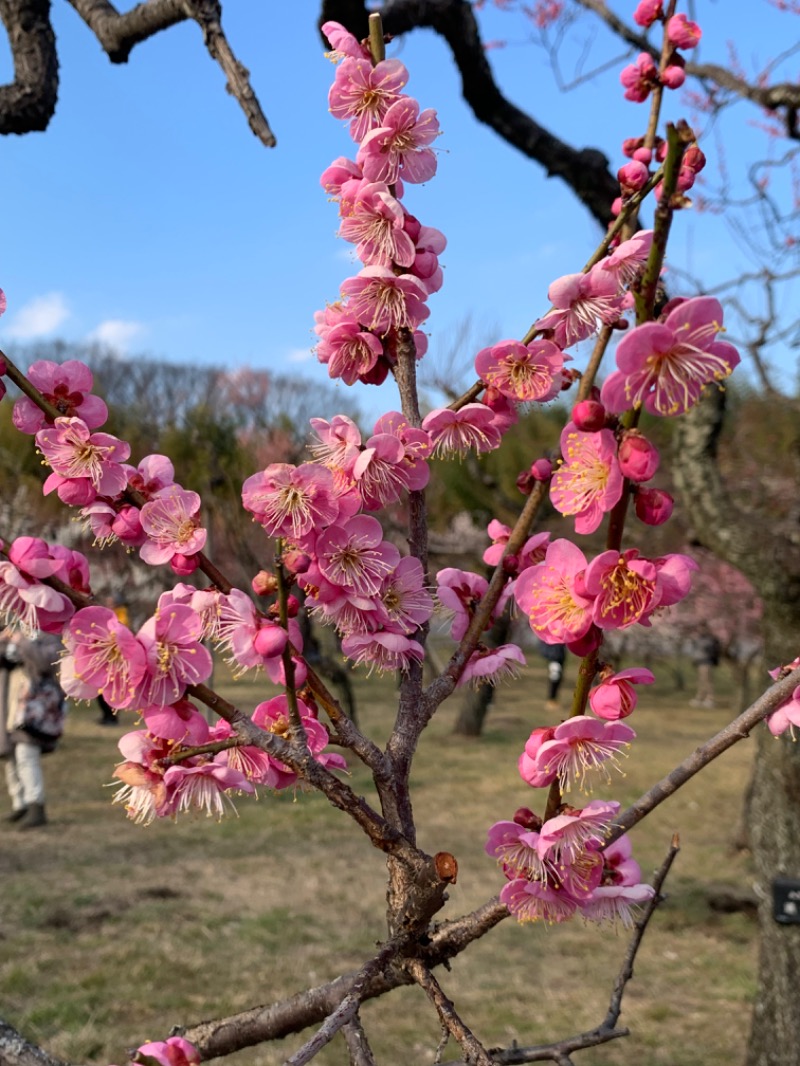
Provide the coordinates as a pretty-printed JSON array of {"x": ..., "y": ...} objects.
[
  {"x": 772, "y": 563},
  {"x": 29, "y": 102}
]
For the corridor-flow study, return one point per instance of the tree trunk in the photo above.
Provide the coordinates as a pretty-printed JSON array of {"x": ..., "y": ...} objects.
[
  {"x": 772, "y": 811},
  {"x": 477, "y": 701}
]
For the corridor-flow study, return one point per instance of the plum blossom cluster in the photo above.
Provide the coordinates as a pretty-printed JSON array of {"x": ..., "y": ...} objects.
[
  {"x": 400, "y": 256},
  {"x": 559, "y": 868},
  {"x": 27, "y": 601},
  {"x": 353, "y": 578},
  {"x": 143, "y": 507}
]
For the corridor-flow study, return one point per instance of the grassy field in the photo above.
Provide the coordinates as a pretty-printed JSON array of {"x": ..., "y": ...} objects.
[{"x": 110, "y": 933}]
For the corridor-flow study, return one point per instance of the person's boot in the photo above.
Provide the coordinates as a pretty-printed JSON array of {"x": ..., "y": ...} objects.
[
  {"x": 34, "y": 817},
  {"x": 16, "y": 815}
]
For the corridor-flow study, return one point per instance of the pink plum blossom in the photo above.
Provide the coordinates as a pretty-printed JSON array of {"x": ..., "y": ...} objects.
[
  {"x": 522, "y": 372},
  {"x": 153, "y": 474},
  {"x": 204, "y": 787},
  {"x": 174, "y": 1051},
  {"x": 244, "y": 636},
  {"x": 580, "y": 303},
  {"x": 340, "y": 173},
  {"x": 174, "y": 655},
  {"x": 533, "y": 901},
  {"x": 626, "y": 263},
  {"x": 75, "y": 454},
  {"x": 392, "y": 462},
  {"x": 529, "y": 768},
  {"x": 343, "y": 43},
  {"x": 682, "y": 32},
  {"x": 615, "y": 696},
  {"x": 291, "y": 501},
  {"x": 25, "y": 602},
  {"x": 376, "y": 225},
  {"x": 107, "y": 656},
  {"x": 273, "y": 716},
  {"x": 382, "y": 300},
  {"x": 383, "y": 650},
  {"x": 666, "y": 365},
  {"x": 623, "y": 588},
  {"x": 68, "y": 387},
  {"x": 589, "y": 482},
  {"x": 647, "y": 11},
  {"x": 554, "y": 602},
  {"x": 172, "y": 527},
  {"x": 363, "y": 93},
  {"x": 354, "y": 555},
  {"x": 470, "y": 428},
  {"x": 786, "y": 716},
  {"x": 579, "y": 746},
  {"x": 516, "y": 850},
  {"x": 400, "y": 146},
  {"x": 639, "y": 78},
  {"x": 404, "y": 601},
  {"x": 180, "y": 722},
  {"x": 492, "y": 665},
  {"x": 460, "y": 592},
  {"x": 564, "y": 837}
]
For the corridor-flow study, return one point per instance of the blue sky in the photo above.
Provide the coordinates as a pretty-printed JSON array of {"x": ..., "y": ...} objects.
[{"x": 149, "y": 217}]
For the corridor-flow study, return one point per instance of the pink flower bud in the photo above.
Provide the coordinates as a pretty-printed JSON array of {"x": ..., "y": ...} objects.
[
  {"x": 292, "y": 606},
  {"x": 525, "y": 817},
  {"x": 644, "y": 155},
  {"x": 653, "y": 506},
  {"x": 541, "y": 470},
  {"x": 632, "y": 177},
  {"x": 295, "y": 561},
  {"x": 128, "y": 526},
  {"x": 673, "y": 76},
  {"x": 683, "y": 33},
  {"x": 270, "y": 640},
  {"x": 510, "y": 564},
  {"x": 647, "y": 12},
  {"x": 638, "y": 458},
  {"x": 525, "y": 482},
  {"x": 616, "y": 206},
  {"x": 264, "y": 583},
  {"x": 183, "y": 565},
  {"x": 588, "y": 416}
]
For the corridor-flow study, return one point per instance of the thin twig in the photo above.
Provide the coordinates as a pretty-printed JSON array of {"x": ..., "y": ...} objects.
[{"x": 475, "y": 1051}]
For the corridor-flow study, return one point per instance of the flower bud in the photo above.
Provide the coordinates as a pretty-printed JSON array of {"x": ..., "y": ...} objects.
[
  {"x": 647, "y": 12},
  {"x": 653, "y": 506},
  {"x": 510, "y": 564},
  {"x": 588, "y": 416},
  {"x": 682, "y": 32},
  {"x": 270, "y": 640},
  {"x": 183, "y": 565},
  {"x": 541, "y": 470},
  {"x": 264, "y": 583},
  {"x": 525, "y": 817},
  {"x": 295, "y": 561},
  {"x": 638, "y": 458},
  {"x": 632, "y": 177},
  {"x": 673, "y": 76},
  {"x": 644, "y": 155}
]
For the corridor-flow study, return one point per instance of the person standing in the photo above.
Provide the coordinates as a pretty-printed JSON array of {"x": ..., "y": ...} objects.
[
  {"x": 705, "y": 652},
  {"x": 36, "y": 708},
  {"x": 555, "y": 654}
]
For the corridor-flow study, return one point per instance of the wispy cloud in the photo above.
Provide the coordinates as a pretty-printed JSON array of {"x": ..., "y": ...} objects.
[
  {"x": 117, "y": 333},
  {"x": 39, "y": 317},
  {"x": 299, "y": 355}
]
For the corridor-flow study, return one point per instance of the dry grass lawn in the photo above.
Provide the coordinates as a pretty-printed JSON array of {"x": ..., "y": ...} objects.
[{"x": 110, "y": 934}]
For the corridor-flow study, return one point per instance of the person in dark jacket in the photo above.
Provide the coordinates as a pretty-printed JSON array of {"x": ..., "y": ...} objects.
[{"x": 555, "y": 654}]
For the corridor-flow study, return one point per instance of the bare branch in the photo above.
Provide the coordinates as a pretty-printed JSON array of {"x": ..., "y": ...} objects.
[
  {"x": 458, "y": 1029},
  {"x": 29, "y": 102},
  {"x": 119, "y": 33}
]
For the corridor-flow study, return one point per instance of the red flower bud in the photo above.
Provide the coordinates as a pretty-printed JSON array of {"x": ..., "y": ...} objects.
[
  {"x": 653, "y": 506},
  {"x": 638, "y": 458},
  {"x": 589, "y": 416}
]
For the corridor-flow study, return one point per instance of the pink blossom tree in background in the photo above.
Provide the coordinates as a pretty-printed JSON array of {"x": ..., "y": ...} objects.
[{"x": 559, "y": 858}]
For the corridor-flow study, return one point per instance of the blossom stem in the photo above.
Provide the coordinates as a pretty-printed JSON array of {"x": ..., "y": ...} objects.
[
  {"x": 596, "y": 358},
  {"x": 13, "y": 373},
  {"x": 201, "y": 749},
  {"x": 678, "y": 139},
  {"x": 376, "y": 41},
  {"x": 298, "y": 729}
]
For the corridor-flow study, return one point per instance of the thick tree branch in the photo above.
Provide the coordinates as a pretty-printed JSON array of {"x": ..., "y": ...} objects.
[{"x": 29, "y": 102}]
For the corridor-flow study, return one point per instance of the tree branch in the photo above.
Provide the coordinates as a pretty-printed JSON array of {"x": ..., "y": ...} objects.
[{"x": 29, "y": 102}]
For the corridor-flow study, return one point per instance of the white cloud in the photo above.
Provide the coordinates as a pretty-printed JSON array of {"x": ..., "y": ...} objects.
[
  {"x": 39, "y": 317},
  {"x": 117, "y": 333},
  {"x": 299, "y": 355}
]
